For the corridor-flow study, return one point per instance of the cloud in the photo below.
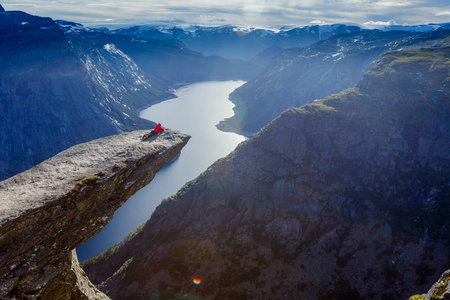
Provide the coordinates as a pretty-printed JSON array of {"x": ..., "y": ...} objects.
[
  {"x": 443, "y": 13},
  {"x": 381, "y": 23},
  {"x": 217, "y": 21},
  {"x": 239, "y": 12},
  {"x": 106, "y": 20}
]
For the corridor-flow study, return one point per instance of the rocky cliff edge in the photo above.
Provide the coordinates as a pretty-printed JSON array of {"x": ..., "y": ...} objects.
[{"x": 49, "y": 210}]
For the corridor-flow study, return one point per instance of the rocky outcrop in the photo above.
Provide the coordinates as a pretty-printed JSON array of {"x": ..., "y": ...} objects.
[
  {"x": 345, "y": 198},
  {"x": 49, "y": 210},
  {"x": 439, "y": 290},
  {"x": 300, "y": 76}
]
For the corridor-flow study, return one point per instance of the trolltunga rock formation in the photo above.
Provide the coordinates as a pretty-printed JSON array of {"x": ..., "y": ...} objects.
[{"x": 49, "y": 210}]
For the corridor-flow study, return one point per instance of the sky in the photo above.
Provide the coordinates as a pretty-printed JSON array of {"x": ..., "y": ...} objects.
[{"x": 264, "y": 13}]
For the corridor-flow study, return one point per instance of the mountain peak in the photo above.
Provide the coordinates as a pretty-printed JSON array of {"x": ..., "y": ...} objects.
[{"x": 1, "y": 8}]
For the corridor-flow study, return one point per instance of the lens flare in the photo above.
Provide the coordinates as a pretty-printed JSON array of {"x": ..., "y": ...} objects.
[{"x": 196, "y": 280}]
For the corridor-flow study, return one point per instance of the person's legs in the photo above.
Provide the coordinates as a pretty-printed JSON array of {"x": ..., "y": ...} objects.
[{"x": 149, "y": 135}]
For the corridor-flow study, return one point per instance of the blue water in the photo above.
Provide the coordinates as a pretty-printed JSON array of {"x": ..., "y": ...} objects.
[{"x": 195, "y": 111}]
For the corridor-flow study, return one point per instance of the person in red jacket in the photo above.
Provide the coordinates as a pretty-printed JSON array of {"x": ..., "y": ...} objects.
[{"x": 158, "y": 129}]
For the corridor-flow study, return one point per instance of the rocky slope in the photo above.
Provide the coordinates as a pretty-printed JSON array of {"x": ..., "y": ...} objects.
[
  {"x": 49, "y": 210},
  {"x": 345, "y": 198},
  {"x": 299, "y": 76}
]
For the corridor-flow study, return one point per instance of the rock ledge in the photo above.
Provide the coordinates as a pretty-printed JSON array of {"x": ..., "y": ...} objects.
[{"x": 51, "y": 209}]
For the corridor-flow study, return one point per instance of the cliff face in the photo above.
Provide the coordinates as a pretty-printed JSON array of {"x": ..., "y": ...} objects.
[
  {"x": 49, "y": 210},
  {"x": 299, "y": 76},
  {"x": 55, "y": 93},
  {"x": 345, "y": 198}
]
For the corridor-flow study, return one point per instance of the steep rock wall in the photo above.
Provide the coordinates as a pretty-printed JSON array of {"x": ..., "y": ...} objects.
[
  {"x": 345, "y": 198},
  {"x": 61, "y": 91},
  {"x": 49, "y": 210}
]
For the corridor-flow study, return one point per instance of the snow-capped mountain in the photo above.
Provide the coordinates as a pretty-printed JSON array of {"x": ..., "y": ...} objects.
[{"x": 246, "y": 42}]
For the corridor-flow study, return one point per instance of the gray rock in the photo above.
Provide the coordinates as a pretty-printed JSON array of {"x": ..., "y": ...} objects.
[
  {"x": 49, "y": 210},
  {"x": 441, "y": 289}
]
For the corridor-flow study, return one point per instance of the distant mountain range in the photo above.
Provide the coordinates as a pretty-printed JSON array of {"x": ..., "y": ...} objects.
[
  {"x": 247, "y": 42},
  {"x": 62, "y": 84},
  {"x": 168, "y": 60}
]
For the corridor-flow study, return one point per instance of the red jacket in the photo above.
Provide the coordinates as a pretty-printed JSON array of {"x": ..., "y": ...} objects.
[{"x": 158, "y": 128}]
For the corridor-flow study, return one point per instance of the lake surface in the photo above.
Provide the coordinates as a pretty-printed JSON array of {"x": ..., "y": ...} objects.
[{"x": 196, "y": 111}]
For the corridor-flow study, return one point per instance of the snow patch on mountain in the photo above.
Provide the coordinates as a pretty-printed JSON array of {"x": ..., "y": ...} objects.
[
  {"x": 73, "y": 28},
  {"x": 392, "y": 25}
]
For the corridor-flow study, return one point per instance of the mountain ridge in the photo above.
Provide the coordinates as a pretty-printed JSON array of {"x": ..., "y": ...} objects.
[
  {"x": 179, "y": 65},
  {"x": 246, "y": 42},
  {"x": 299, "y": 76}
]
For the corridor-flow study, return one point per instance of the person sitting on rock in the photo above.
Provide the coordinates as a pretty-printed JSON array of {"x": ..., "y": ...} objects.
[{"x": 158, "y": 129}]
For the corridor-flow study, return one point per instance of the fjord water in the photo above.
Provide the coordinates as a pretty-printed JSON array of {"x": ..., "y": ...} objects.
[{"x": 195, "y": 111}]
